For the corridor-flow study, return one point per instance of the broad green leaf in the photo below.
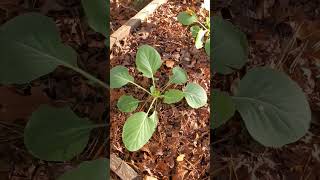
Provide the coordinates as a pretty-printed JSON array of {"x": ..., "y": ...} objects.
[
  {"x": 148, "y": 60},
  {"x": 30, "y": 47},
  {"x": 56, "y": 134},
  {"x": 207, "y": 47},
  {"x": 97, "y": 15},
  {"x": 137, "y": 130},
  {"x": 94, "y": 170},
  {"x": 273, "y": 107},
  {"x": 179, "y": 76},
  {"x": 194, "y": 30},
  {"x": 223, "y": 108},
  {"x": 195, "y": 95},
  {"x": 119, "y": 76},
  {"x": 154, "y": 118},
  {"x": 127, "y": 103},
  {"x": 186, "y": 19},
  {"x": 200, "y": 35},
  {"x": 230, "y": 47},
  {"x": 172, "y": 96}
]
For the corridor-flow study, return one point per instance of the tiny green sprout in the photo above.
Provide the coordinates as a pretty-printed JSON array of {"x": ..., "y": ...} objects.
[
  {"x": 199, "y": 30},
  {"x": 140, "y": 126}
]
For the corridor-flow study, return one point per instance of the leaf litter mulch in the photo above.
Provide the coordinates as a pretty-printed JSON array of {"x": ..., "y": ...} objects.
[
  {"x": 283, "y": 34},
  {"x": 60, "y": 88},
  {"x": 181, "y": 130}
]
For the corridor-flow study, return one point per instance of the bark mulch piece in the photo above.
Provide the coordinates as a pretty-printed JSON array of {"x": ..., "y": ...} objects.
[
  {"x": 181, "y": 130},
  {"x": 270, "y": 26}
]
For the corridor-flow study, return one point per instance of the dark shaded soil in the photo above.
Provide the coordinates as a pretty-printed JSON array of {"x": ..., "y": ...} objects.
[
  {"x": 181, "y": 129},
  {"x": 61, "y": 88},
  {"x": 271, "y": 26}
]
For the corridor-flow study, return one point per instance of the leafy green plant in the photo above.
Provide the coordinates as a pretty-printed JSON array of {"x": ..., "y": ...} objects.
[
  {"x": 274, "y": 109},
  {"x": 140, "y": 126},
  {"x": 199, "y": 30},
  {"x": 30, "y": 47}
]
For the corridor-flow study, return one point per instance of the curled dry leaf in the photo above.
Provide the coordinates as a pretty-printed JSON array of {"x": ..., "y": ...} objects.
[{"x": 169, "y": 63}]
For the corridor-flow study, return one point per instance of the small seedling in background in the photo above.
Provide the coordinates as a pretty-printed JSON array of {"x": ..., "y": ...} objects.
[
  {"x": 199, "y": 30},
  {"x": 140, "y": 126}
]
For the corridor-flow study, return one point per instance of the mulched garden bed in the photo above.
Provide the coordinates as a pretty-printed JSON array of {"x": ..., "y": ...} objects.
[
  {"x": 270, "y": 26},
  {"x": 122, "y": 11},
  {"x": 60, "y": 88},
  {"x": 181, "y": 129}
]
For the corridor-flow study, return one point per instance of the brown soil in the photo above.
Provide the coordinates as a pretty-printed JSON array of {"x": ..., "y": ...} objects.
[
  {"x": 122, "y": 11},
  {"x": 63, "y": 87},
  {"x": 181, "y": 129},
  {"x": 270, "y": 26}
]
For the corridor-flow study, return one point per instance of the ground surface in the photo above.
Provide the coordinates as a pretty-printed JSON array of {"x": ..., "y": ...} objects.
[
  {"x": 181, "y": 129},
  {"x": 60, "y": 88},
  {"x": 270, "y": 26}
]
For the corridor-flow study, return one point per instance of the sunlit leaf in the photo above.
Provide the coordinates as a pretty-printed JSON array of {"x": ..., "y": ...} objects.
[
  {"x": 148, "y": 60},
  {"x": 195, "y": 95},
  {"x": 127, "y": 103},
  {"x": 119, "y": 76},
  {"x": 173, "y": 96}
]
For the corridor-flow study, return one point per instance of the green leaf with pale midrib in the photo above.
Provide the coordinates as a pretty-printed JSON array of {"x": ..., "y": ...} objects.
[
  {"x": 29, "y": 52},
  {"x": 195, "y": 95},
  {"x": 137, "y": 131},
  {"x": 274, "y": 108},
  {"x": 119, "y": 76},
  {"x": 148, "y": 60}
]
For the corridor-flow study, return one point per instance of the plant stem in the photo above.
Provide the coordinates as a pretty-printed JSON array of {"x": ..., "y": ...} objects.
[
  {"x": 90, "y": 77},
  {"x": 140, "y": 87},
  {"x": 202, "y": 25},
  {"x": 166, "y": 86},
  {"x": 153, "y": 82},
  {"x": 151, "y": 105}
]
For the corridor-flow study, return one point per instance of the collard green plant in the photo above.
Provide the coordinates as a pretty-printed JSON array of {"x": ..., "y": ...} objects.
[
  {"x": 30, "y": 47},
  {"x": 199, "y": 30},
  {"x": 273, "y": 107},
  {"x": 140, "y": 126}
]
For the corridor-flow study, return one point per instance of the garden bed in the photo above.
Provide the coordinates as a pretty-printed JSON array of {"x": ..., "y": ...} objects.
[
  {"x": 181, "y": 130},
  {"x": 270, "y": 28}
]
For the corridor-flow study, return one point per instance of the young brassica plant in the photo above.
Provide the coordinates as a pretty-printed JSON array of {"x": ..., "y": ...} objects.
[
  {"x": 140, "y": 126},
  {"x": 199, "y": 30},
  {"x": 274, "y": 109}
]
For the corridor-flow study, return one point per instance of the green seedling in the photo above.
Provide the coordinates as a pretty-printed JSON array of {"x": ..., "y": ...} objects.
[
  {"x": 140, "y": 126},
  {"x": 199, "y": 30}
]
